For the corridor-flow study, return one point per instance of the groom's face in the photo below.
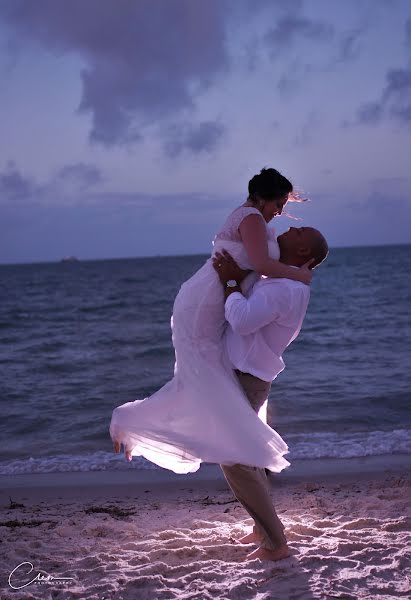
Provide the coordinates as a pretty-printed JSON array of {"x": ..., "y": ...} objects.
[
  {"x": 295, "y": 236},
  {"x": 297, "y": 239}
]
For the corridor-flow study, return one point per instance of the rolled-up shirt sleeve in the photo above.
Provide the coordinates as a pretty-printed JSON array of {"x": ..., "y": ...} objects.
[{"x": 247, "y": 315}]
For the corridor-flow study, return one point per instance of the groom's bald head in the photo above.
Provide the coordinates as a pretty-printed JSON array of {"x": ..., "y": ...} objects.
[{"x": 300, "y": 244}]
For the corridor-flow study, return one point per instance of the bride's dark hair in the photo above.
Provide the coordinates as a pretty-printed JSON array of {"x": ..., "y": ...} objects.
[{"x": 269, "y": 184}]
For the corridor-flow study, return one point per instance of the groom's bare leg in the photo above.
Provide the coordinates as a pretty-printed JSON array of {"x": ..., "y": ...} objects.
[
  {"x": 251, "y": 488},
  {"x": 256, "y": 536}
]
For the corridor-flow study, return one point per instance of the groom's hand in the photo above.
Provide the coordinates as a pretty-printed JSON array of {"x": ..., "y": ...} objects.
[{"x": 227, "y": 268}]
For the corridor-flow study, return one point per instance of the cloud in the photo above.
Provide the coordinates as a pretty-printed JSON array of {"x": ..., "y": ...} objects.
[
  {"x": 202, "y": 138},
  {"x": 343, "y": 47},
  {"x": 370, "y": 113},
  {"x": 14, "y": 185},
  {"x": 292, "y": 77},
  {"x": 145, "y": 62},
  {"x": 397, "y": 93},
  {"x": 385, "y": 195},
  {"x": 63, "y": 186},
  {"x": 109, "y": 225},
  {"x": 408, "y": 32},
  {"x": 395, "y": 98},
  {"x": 308, "y": 130},
  {"x": 82, "y": 175},
  {"x": 350, "y": 45},
  {"x": 305, "y": 36},
  {"x": 290, "y": 28},
  {"x": 389, "y": 188},
  {"x": 384, "y": 203}
]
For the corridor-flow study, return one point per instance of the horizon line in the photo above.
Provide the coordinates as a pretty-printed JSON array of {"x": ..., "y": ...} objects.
[{"x": 77, "y": 259}]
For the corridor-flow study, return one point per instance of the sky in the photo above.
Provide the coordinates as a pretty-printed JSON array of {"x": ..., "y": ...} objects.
[{"x": 131, "y": 128}]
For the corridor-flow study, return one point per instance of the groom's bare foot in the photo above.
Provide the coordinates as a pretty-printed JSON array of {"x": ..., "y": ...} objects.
[
  {"x": 250, "y": 538},
  {"x": 266, "y": 554}
]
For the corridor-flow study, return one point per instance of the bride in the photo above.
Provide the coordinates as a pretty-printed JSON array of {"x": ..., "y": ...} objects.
[{"x": 202, "y": 414}]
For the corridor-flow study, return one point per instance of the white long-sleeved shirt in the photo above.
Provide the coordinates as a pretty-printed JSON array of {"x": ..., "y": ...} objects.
[{"x": 261, "y": 326}]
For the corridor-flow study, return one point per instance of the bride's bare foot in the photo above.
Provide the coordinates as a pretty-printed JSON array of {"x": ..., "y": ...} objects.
[
  {"x": 117, "y": 449},
  {"x": 266, "y": 554},
  {"x": 250, "y": 538}
]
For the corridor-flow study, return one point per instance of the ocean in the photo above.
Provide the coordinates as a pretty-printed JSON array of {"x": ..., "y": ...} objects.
[{"x": 80, "y": 338}]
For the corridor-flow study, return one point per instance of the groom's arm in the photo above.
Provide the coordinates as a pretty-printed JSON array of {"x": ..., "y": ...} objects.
[{"x": 265, "y": 305}]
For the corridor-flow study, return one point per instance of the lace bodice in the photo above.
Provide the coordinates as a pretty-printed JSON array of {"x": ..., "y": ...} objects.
[
  {"x": 229, "y": 238},
  {"x": 229, "y": 230}
]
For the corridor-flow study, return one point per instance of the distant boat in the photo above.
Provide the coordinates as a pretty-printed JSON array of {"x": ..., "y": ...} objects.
[{"x": 69, "y": 259}]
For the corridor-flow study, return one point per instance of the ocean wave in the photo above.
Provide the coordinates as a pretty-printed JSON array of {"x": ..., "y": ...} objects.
[
  {"x": 348, "y": 445},
  {"x": 64, "y": 463},
  {"x": 301, "y": 446}
]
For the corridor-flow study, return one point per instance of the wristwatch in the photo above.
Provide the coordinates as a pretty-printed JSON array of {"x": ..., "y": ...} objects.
[{"x": 231, "y": 283}]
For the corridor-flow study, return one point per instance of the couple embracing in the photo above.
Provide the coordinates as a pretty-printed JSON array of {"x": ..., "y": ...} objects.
[{"x": 231, "y": 322}]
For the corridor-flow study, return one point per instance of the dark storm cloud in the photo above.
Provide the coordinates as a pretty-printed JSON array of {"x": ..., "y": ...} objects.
[
  {"x": 395, "y": 99},
  {"x": 145, "y": 61},
  {"x": 202, "y": 138}
]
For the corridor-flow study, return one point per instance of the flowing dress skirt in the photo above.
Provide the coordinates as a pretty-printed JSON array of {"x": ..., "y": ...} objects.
[{"x": 202, "y": 414}]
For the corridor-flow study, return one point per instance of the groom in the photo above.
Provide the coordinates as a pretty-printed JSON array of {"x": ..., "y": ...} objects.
[{"x": 259, "y": 329}]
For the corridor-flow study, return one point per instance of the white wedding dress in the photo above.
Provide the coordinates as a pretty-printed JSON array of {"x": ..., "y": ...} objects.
[{"x": 202, "y": 414}]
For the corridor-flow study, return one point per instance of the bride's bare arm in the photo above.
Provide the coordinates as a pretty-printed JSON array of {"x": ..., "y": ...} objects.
[{"x": 253, "y": 233}]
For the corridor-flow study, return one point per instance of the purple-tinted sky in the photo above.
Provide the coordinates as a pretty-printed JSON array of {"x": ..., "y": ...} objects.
[{"x": 132, "y": 127}]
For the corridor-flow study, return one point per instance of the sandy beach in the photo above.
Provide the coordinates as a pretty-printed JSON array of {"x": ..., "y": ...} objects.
[{"x": 152, "y": 534}]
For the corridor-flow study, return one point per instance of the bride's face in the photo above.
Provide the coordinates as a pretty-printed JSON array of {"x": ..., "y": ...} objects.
[{"x": 271, "y": 208}]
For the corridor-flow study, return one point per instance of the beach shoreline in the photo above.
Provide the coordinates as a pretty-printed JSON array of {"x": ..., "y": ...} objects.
[
  {"x": 154, "y": 534},
  {"x": 63, "y": 484}
]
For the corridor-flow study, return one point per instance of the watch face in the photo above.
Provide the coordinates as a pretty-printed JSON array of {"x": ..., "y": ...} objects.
[{"x": 232, "y": 283}]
